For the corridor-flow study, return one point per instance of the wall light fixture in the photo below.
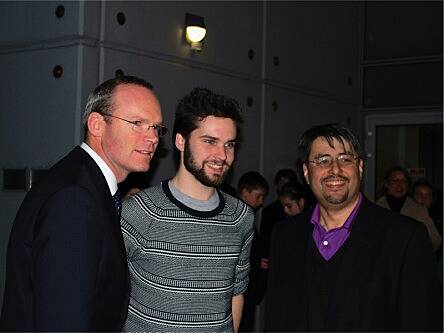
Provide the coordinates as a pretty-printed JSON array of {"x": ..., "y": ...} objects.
[{"x": 195, "y": 31}]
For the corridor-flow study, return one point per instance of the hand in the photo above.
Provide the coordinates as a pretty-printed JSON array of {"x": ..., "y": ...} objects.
[{"x": 264, "y": 263}]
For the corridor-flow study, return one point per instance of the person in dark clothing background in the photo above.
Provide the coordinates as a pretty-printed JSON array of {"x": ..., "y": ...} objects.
[
  {"x": 273, "y": 213},
  {"x": 429, "y": 197},
  {"x": 293, "y": 198},
  {"x": 252, "y": 189}
]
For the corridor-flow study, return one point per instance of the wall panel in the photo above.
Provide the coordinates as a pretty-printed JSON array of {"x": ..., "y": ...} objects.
[
  {"x": 403, "y": 85},
  {"x": 152, "y": 26},
  {"x": 397, "y": 29},
  {"x": 39, "y": 109},
  {"x": 31, "y": 21},
  {"x": 316, "y": 44}
]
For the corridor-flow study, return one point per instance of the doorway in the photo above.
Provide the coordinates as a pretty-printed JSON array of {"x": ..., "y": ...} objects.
[{"x": 413, "y": 141}]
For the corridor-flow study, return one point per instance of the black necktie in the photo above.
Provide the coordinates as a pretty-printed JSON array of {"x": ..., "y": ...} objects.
[{"x": 117, "y": 199}]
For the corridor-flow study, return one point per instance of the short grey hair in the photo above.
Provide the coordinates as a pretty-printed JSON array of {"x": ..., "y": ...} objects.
[{"x": 100, "y": 100}]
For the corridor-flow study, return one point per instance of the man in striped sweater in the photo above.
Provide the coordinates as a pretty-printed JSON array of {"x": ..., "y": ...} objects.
[{"x": 188, "y": 244}]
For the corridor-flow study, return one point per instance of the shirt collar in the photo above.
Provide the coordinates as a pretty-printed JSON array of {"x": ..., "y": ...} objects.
[
  {"x": 106, "y": 170},
  {"x": 316, "y": 216}
]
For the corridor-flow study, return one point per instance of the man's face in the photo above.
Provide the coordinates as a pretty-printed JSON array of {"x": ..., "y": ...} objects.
[
  {"x": 254, "y": 198},
  {"x": 397, "y": 184},
  {"x": 124, "y": 149},
  {"x": 335, "y": 186},
  {"x": 209, "y": 150},
  {"x": 423, "y": 195}
]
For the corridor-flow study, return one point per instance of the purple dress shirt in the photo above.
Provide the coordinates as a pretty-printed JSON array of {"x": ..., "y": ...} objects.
[{"x": 329, "y": 242}]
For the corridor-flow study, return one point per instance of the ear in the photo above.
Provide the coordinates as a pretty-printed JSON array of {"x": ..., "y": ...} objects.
[
  {"x": 180, "y": 142},
  {"x": 305, "y": 169},
  {"x": 361, "y": 168},
  {"x": 96, "y": 124},
  {"x": 243, "y": 193}
]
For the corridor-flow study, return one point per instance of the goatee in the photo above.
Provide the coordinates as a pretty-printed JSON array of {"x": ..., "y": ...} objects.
[{"x": 199, "y": 172}]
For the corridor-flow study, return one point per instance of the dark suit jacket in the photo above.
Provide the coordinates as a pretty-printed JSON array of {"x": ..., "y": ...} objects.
[
  {"x": 66, "y": 263},
  {"x": 271, "y": 215},
  {"x": 386, "y": 281}
]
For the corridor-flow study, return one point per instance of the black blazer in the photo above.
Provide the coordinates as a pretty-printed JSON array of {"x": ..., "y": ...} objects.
[
  {"x": 66, "y": 263},
  {"x": 387, "y": 279}
]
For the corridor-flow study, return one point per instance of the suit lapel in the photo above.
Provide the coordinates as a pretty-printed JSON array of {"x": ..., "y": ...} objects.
[
  {"x": 99, "y": 187},
  {"x": 97, "y": 183}
]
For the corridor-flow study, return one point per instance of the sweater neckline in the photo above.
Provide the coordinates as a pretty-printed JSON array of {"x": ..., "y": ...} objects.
[{"x": 189, "y": 210}]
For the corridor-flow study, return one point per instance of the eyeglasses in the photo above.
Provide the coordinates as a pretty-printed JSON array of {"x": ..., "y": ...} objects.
[
  {"x": 343, "y": 160},
  {"x": 140, "y": 126}
]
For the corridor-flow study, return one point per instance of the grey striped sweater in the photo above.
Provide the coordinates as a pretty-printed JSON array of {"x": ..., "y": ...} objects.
[{"x": 185, "y": 265}]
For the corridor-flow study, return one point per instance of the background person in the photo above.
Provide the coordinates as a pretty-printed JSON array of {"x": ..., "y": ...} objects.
[
  {"x": 253, "y": 188},
  {"x": 425, "y": 195},
  {"x": 396, "y": 185},
  {"x": 135, "y": 182},
  {"x": 293, "y": 198},
  {"x": 273, "y": 213}
]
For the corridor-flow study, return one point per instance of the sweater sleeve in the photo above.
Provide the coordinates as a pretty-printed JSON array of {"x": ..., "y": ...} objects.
[
  {"x": 243, "y": 264},
  {"x": 130, "y": 223}
]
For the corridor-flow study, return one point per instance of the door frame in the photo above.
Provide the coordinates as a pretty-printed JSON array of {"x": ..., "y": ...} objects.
[{"x": 415, "y": 117}]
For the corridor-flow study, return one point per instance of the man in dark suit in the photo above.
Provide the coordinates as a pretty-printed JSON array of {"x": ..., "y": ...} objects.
[
  {"x": 66, "y": 263},
  {"x": 348, "y": 265}
]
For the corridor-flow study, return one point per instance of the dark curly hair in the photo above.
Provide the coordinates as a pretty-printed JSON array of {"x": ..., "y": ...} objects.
[
  {"x": 329, "y": 132},
  {"x": 288, "y": 174},
  {"x": 199, "y": 104},
  {"x": 293, "y": 190}
]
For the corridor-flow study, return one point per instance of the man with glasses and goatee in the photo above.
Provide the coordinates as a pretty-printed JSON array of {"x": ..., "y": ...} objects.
[
  {"x": 348, "y": 264},
  {"x": 66, "y": 264}
]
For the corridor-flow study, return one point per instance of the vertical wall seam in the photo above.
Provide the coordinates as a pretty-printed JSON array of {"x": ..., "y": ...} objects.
[
  {"x": 80, "y": 47},
  {"x": 263, "y": 87},
  {"x": 101, "y": 39}
]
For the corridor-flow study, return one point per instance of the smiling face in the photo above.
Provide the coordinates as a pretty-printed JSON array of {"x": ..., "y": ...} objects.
[
  {"x": 123, "y": 149},
  {"x": 335, "y": 186},
  {"x": 208, "y": 152}
]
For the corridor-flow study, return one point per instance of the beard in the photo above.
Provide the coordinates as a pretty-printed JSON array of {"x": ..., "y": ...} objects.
[
  {"x": 339, "y": 198},
  {"x": 199, "y": 171},
  {"x": 336, "y": 200}
]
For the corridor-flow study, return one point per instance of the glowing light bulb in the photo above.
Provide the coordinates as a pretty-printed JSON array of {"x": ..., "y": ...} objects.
[{"x": 195, "y": 34}]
